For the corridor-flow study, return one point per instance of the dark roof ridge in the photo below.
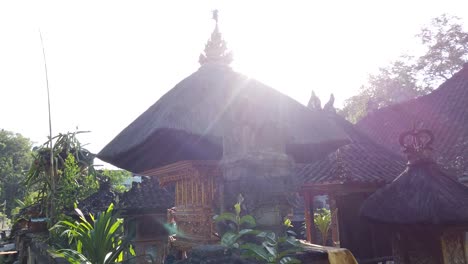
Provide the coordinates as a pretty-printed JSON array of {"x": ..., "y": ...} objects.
[{"x": 422, "y": 194}]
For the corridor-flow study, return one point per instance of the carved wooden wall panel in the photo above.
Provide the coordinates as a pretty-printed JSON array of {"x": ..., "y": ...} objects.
[
  {"x": 196, "y": 224},
  {"x": 452, "y": 248},
  {"x": 195, "y": 193}
]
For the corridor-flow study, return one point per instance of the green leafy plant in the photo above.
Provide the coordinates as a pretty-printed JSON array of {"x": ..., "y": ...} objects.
[
  {"x": 99, "y": 241},
  {"x": 263, "y": 246},
  {"x": 273, "y": 248},
  {"x": 239, "y": 225},
  {"x": 322, "y": 219}
]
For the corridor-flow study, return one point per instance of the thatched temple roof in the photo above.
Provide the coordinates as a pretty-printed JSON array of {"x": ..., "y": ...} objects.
[
  {"x": 187, "y": 123},
  {"x": 422, "y": 194}
]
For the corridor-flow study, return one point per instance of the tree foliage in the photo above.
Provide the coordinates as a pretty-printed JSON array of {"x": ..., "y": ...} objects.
[
  {"x": 15, "y": 158},
  {"x": 117, "y": 179},
  {"x": 445, "y": 51},
  {"x": 73, "y": 184},
  {"x": 71, "y": 176}
]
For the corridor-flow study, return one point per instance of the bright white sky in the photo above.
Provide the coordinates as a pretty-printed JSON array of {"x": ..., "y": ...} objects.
[{"x": 108, "y": 61}]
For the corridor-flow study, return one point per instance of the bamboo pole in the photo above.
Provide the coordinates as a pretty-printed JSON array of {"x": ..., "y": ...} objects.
[{"x": 51, "y": 203}]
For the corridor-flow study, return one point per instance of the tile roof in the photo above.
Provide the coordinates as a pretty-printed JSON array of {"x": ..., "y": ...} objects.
[
  {"x": 98, "y": 201},
  {"x": 444, "y": 111},
  {"x": 354, "y": 163},
  {"x": 148, "y": 195},
  {"x": 360, "y": 161}
]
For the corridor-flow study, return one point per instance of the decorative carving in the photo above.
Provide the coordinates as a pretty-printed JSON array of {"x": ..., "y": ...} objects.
[
  {"x": 188, "y": 169},
  {"x": 452, "y": 248},
  {"x": 195, "y": 227},
  {"x": 417, "y": 144}
]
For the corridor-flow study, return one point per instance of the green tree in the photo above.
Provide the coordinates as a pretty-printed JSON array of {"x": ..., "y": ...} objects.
[
  {"x": 73, "y": 184},
  {"x": 72, "y": 167},
  {"x": 395, "y": 83},
  {"x": 15, "y": 159},
  {"x": 446, "y": 50},
  {"x": 117, "y": 179}
]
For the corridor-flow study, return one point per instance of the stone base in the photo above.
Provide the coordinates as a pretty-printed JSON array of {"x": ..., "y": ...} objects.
[{"x": 212, "y": 254}]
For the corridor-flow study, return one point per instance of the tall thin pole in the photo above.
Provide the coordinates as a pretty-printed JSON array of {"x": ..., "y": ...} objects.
[{"x": 51, "y": 215}]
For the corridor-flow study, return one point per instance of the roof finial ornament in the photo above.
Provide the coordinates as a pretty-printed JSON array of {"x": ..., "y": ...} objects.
[
  {"x": 314, "y": 102},
  {"x": 215, "y": 16},
  {"x": 329, "y": 107},
  {"x": 417, "y": 144},
  {"x": 216, "y": 49}
]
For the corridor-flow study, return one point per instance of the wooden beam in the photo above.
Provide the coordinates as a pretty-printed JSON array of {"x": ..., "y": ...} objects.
[
  {"x": 339, "y": 188},
  {"x": 8, "y": 252}
]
